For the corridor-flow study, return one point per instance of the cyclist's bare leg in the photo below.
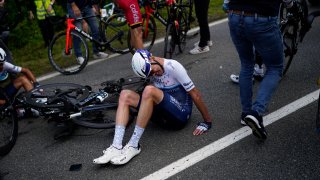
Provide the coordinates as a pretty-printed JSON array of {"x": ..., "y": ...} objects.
[
  {"x": 23, "y": 81},
  {"x": 136, "y": 37},
  {"x": 127, "y": 98},
  {"x": 150, "y": 97}
]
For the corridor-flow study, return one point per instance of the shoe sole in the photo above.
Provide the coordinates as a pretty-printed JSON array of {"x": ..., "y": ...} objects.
[
  {"x": 243, "y": 123},
  {"x": 125, "y": 162},
  {"x": 253, "y": 123}
]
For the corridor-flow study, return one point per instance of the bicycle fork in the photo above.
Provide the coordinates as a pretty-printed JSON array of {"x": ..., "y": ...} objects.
[{"x": 70, "y": 27}]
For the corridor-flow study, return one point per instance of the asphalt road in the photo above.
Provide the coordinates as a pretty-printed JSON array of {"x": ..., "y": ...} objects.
[{"x": 292, "y": 150}]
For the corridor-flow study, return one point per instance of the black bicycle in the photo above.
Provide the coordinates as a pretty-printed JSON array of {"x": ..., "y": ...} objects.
[
  {"x": 67, "y": 101},
  {"x": 292, "y": 20},
  {"x": 62, "y": 102}
]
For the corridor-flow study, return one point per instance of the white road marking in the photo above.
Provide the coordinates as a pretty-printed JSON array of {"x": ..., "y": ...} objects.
[{"x": 228, "y": 140}]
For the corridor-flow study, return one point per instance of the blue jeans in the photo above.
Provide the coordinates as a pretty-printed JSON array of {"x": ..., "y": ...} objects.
[
  {"x": 263, "y": 35},
  {"x": 93, "y": 24}
]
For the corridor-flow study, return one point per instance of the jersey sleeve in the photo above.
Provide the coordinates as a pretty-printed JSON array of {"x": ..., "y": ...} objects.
[
  {"x": 11, "y": 68},
  {"x": 181, "y": 75}
]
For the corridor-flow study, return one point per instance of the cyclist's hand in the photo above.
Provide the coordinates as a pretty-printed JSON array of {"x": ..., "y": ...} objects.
[{"x": 201, "y": 128}]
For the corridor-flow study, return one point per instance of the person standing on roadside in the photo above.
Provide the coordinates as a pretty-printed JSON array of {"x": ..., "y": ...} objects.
[
  {"x": 44, "y": 9},
  {"x": 133, "y": 15},
  {"x": 254, "y": 26},
  {"x": 83, "y": 8},
  {"x": 201, "y": 7}
]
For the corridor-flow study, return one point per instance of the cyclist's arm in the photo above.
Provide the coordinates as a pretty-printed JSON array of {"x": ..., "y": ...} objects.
[
  {"x": 28, "y": 74},
  {"x": 197, "y": 99}
]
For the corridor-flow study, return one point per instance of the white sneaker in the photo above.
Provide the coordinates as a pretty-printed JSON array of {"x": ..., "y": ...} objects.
[
  {"x": 199, "y": 50},
  {"x": 127, "y": 153},
  {"x": 209, "y": 43},
  {"x": 100, "y": 55},
  {"x": 108, "y": 154},
  {"x": 258, "y": 71},
  {"x": 80, "y": 60},
  {"x": 234, "y": 78}
]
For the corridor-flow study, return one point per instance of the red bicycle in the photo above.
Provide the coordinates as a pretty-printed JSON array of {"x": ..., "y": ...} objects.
[{"x": 63, "y": 52}]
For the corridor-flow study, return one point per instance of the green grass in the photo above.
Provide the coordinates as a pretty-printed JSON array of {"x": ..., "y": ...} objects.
[{"x": 28, "y": 48}]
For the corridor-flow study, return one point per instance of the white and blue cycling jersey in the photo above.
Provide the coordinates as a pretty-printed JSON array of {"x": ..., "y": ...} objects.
[
  {"x": 175, "y": 83},
  {"x": 8, "y": 68},
  {"x": 6, "y": 81}
]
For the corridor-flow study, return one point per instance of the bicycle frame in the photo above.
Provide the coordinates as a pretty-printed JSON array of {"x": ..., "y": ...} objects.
[{"x": 71, "y": 26}]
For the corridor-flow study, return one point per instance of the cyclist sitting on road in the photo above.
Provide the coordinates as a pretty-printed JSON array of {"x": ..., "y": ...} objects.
[
  {"x": 133, "y": 15},
  {"x": 9, "y": 83},
  {"x": 170, "y": 97}
]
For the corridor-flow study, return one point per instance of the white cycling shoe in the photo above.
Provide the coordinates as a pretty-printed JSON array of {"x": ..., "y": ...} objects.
[
  {"x": 128, "y": 152},
  {"x": 108, "y": 154}
]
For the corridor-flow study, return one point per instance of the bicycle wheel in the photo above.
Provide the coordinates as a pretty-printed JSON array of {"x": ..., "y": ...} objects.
[
  {"x": 148, "y": 33},
  {"x": 169, "y": 42},
  {"x": 116, "y": 32},
  {"x": 56, "y": 95},
  {"x": 318, "y": 116},
  {"x": 183, "y": 28},
  {"x": 68, "y": 63},
  {"x": 289, "y": 33},
  {"x": 100, "y": 116},
  {"x": 8, "y": 130}
]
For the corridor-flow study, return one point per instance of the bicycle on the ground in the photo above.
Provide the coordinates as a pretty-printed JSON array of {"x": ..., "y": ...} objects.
[
  {"x": 63, "y": 102},
  {"x": 61, "y": 50},
  {"x": 292, "y": 20}
]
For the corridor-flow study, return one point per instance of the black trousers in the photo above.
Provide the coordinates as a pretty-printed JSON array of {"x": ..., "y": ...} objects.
[
  {"x": 47, "y": 31},
  {"x": 201, "y": 8}
]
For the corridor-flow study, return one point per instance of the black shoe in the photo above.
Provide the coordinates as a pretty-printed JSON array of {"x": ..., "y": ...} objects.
[
  {"x": 63, "y": 129},
  {"x": 255, "y": 122},
  {"x": 242, "y": 122}
]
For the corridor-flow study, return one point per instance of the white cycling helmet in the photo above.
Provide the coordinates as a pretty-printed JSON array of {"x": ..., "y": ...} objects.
[
  {"x": 141, "y": 63},
  {"x": 2, "y": 55}
]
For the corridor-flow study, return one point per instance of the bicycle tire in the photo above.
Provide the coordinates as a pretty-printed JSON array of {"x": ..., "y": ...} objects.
[
  {"x": 289, "y": 35},
  {"x": 8, "y": 130},
  {"x": 116, "y": 29},
  {"x": 183, "y": 28},
  {"x": 56, "y": 95},
  {"x": 101, "y": 116},
  {"x": 169, "y": 44},
  {"x": 318, "y": 116},
  {"x": 148, "y": 36},
  {"x": 67, "y": 63}
]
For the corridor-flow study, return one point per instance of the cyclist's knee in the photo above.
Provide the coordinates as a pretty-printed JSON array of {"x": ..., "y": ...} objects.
[
  {"x": 151, "y": 92},
  {"x": 126, "y": 97}
]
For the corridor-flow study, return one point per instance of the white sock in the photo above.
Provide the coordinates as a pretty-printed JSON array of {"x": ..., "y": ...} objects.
[
  {"x": 137, "y": 133},
  {"x": 118, "y": 136}
]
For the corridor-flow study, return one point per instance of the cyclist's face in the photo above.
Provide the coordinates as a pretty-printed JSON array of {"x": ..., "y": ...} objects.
[{"x": 156, "y": 70}]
